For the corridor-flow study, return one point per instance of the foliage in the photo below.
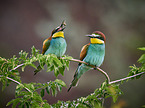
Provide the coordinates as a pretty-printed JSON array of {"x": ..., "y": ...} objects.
[{"x": 30, "y": 94}]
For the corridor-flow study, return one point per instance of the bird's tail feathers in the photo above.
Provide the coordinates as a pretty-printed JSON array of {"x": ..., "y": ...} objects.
[
  {"x": 74, "y": 81},
  {"x": 69, "y": 88},
  {"x": 37, "y": 70}
]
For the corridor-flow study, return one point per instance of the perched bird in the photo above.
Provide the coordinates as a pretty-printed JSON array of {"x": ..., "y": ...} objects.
[
  {"x": 55, "y": 44},
  {"x": 92, "y": 53}
]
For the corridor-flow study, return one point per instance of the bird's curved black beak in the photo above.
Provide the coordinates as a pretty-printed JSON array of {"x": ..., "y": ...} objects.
[
  {"x": 62, "y": 26},
  {"x": 92, "y": 35}
]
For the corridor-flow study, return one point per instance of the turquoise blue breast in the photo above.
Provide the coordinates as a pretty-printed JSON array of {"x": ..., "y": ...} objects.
[
  {"x": 95, "y": 54},
  {"x": 57, "y": 46}
]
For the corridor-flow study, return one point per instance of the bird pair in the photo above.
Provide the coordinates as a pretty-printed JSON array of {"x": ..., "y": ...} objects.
[{"x": 92, "y": 53}]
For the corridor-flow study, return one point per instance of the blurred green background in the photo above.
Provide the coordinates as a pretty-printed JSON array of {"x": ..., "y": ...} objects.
[{"x": 24, "y": 23}]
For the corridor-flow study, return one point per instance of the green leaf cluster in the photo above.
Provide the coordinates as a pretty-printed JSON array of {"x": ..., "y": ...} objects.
[
  {"x": 94, "y": 100},
  {"x": 30, "y": 95},
  {"x": 136, "y": 70},
  {"x": 32, "y": 98}
]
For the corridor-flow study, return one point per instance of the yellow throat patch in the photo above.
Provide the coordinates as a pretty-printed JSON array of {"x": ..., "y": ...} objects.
[
  {"x": 58, "y": 34},
  {"x": 96, "y": 41}
]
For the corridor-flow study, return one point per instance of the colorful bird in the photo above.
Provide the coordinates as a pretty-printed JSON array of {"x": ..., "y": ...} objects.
[
  {"x": 92, "y": 53},
  {"x": 55, "y": 44}
]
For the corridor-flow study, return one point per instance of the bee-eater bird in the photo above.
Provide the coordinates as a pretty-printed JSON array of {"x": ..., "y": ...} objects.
[
  {"x": 55, "y": 44},
  {"x": 92, "y": 53}
]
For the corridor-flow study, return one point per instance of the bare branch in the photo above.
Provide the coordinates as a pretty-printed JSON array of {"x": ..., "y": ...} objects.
[
  {"x": 17, "y": 67},
  {"x": 123, "y": 79},
  {"x": 106, "y": 75}
]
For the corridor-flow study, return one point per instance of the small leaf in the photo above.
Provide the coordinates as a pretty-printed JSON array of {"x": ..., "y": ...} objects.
[
  {"x": 67, "y": 65},
  {"x": 67, "y": 57},
  {"x": 42, "y": 92},
  {"x": 22, "y": 105},
  {"x": 4, "y": 82},
  {"x": 60, "y": 82},
  {"x": 61, "y": 70},
  {"x": 59, "y": 87},
  {"x": 33, "y": 65},
  {"x": 42, "y": 64},
  {"x": 23, "y": 55},
  {"x": 23, "y": 67},
  {"x": 114, "y": 91},
  {"x": 30, "y": 86},
  {"x": 57, "y": 61},
  {"x": 34, "y": 51},
  {"x": 37, "y": 97},
  {"x": 143, "y": 48},
  {"x": 46, "y": 105},
  {"x": 56, "y": 72},
  {"x": 54, "y": 91},
  {"x": 18, "y": 89},
  {"x": 27, "y": 104},
  {"x": 14, "y": 102},
  {"x": 48, "y": 90},
  {"x": 10, "y": 102},
  {"x": 142, "y": 59},
  {"x": 51, "y": 68}
]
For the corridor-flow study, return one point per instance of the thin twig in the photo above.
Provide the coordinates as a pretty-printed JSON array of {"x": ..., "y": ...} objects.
[
  {"x": 18, "y": 83},
  {"x": 123, "y": 79},
  {"x": 17, "y": 67},
  {"x": 106, "y": 75},
  {"x": 76, "y": 60},
  {"x": 12, "y": 80}
]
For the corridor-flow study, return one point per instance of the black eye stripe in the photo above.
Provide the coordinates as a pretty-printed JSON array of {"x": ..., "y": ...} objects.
[{"x": 101, "y": 38}]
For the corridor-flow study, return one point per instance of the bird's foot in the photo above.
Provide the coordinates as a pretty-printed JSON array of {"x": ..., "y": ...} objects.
[{"x": 95, "y": 67}]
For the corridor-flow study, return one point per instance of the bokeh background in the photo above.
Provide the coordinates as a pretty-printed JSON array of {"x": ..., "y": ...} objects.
[{"x": 24, "y": 23}]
